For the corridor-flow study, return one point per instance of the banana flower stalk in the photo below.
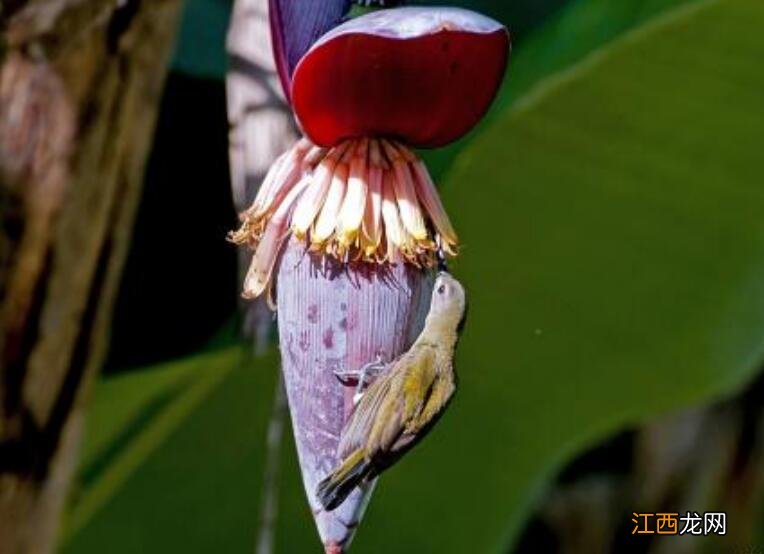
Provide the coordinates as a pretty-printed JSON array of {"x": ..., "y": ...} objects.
[{"x": 348, "y": 225}]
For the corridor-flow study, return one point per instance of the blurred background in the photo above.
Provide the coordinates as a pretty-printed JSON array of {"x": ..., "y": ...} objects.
[{"x": 612, "y": 211}]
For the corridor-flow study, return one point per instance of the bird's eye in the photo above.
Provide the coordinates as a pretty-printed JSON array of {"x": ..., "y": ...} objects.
[{"x": 441, "y": 289}]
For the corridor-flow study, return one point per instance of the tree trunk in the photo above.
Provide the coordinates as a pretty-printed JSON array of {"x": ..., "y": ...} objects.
[{"x": 80, "y": 82}]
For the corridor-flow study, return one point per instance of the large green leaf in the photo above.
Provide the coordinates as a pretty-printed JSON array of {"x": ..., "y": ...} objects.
[
  {"x": 193, "y": 487},
  {"x": 564, "y": 39},
  {"x": 614, "y": 254},
  {"x": 200, "y": 48},
  {"x": 120, "y": 401},
  {"x": 130, "y": 418}
]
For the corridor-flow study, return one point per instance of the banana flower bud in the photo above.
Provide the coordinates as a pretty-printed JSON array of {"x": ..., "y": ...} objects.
[{"x": 348, "y": 225}]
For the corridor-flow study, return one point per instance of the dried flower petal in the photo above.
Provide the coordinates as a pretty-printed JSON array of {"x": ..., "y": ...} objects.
[{"x": 259, "y": 274}]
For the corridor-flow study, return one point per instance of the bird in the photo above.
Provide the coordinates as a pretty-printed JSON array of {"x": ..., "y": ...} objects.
[{"x": 401, "y": 406}]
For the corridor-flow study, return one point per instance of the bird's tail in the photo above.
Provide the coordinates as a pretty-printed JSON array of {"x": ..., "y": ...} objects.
[{"x": 335, "y": 488}]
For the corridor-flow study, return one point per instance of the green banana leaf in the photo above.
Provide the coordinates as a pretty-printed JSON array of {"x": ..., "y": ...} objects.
[
  {"x": 200, "y": 46},
  {"x": 193, "y": 486},
  {"x": 130, "y": 417},
  {"x": 614, "y": 250},
  {"x": 564, "y": 39}
]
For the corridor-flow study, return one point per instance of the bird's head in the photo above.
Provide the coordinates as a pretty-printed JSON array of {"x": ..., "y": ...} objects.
[{"x": 448, "y": 298}]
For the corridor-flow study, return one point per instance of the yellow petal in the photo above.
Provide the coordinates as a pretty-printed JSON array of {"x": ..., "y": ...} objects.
[
  {"x": 372, "y": 222},
  {"x": 313, "y": 199},
  {"x": 354, "y": 204},
  {"x": 411, "y": 214},
  {"x": 327, "y": 218},
  {"x": 393, "y": 226},
  {"x": 372, "y": 228}
]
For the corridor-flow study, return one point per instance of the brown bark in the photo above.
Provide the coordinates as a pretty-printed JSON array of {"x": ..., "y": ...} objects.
[{"x": 80, "y": 82}]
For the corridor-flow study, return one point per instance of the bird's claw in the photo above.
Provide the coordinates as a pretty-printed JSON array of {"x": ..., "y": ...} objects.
[{"x": 360, "y": 376}]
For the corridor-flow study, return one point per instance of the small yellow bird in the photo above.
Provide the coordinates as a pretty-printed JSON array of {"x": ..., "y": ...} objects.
[{"x": 400, "y": 407}]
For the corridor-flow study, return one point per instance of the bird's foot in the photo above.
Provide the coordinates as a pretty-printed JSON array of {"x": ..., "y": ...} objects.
[{"x": 360, "y": 376}]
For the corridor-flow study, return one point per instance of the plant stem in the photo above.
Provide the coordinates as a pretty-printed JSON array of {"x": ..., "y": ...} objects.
[{"x": 270, "y": 500}]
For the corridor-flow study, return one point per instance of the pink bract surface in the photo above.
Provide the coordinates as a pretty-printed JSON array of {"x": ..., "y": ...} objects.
[
  {"x": 336, "y": 317},
  {"x": 424, "y": 76}
]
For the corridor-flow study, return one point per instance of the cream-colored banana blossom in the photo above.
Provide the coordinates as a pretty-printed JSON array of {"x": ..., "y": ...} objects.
[{"x": 364, "y": 200}]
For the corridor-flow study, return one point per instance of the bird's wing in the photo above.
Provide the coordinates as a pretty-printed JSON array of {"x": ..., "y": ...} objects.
[
  {"x": 359, "y": 426},
  {"x": 415, "y": 374},
  {"x": 442, "y": 391},
  {"x": 418, "y": 381}
]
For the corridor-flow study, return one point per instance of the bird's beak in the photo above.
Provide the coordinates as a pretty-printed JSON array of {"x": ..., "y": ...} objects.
[{"x": 442, "y": 263}]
